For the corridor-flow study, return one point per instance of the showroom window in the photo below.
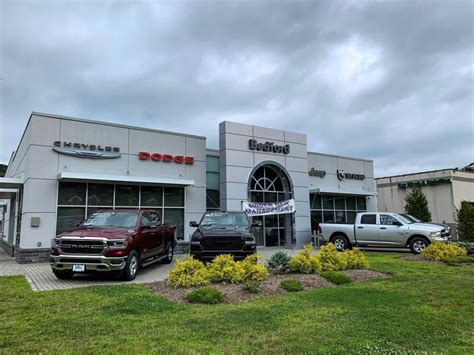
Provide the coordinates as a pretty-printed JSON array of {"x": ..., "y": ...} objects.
[
  {"x": 327, "y": 208},
  {"x": 212, "y": 183},
  {"x": 76, "y": 201}
]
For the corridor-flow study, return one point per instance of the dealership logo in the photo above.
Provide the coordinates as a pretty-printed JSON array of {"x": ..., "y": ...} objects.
[
  {"x": 166, "y": 158},
  {"x": 342, "y": 175},
  {"x": 318, "y": 173},
  {"x": 91, "y": 151},
  {"x": 270, "y": 147}
]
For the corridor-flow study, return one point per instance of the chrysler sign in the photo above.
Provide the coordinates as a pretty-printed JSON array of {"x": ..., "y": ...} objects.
[
  {"x": 270, "y": 147},
  {"x": 91, "y": 151}
]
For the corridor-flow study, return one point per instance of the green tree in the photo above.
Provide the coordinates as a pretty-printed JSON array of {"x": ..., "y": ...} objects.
[
  {"x": 3, "y": 170},
  {"x": 465, "y": 220},
  {"x": 417, "y": 205}
]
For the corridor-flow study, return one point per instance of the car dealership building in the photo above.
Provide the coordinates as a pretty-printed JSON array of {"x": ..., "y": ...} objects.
[{"x": 65, "y": 169}]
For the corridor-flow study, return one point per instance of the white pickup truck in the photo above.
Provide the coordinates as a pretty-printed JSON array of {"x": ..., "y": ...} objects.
[{"x": 382, "y": 229}]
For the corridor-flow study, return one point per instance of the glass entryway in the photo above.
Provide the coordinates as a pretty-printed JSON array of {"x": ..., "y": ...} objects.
[{"x": 270, "y": 184}]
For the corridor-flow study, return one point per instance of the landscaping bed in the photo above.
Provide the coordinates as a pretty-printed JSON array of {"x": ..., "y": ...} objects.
[{"x": 234, "y": 293}]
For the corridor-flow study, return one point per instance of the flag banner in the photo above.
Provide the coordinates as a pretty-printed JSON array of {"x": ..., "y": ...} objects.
[{"x": 268, "y": 208}]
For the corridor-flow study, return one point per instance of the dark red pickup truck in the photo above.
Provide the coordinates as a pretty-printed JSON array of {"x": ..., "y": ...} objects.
[{"x": 113, "y": 240}]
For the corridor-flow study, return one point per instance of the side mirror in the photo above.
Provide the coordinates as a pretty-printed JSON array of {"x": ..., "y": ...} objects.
[
  {"x": 193, "y": 224},
  {"x": 256, "y": 224},
  {"x": 397, "y": 223},
  {"x": 78, "y": 224}
]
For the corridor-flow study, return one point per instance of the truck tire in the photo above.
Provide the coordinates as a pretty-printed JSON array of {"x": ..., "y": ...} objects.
[
  {"x": 417, "y": 245},
  {"x": 340, "y": 242},
  {"x": 131, "y": 268},
  {"x": 169, "y": 254},
  {"x": 63, "y": 274}
]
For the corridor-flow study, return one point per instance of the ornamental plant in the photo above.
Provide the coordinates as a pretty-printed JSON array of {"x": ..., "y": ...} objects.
[
  {"x": 305, "y": 262},
  {"x": 354, "y": 259},
  {"x": 417, "y": 205},
  {"x": 207, "y": 295},
  {"x": 331, "y": 259},
  {"x": 279, "y": 262},
  {"x": 465, "y": 220},
  {"x": 225, "y": 269},
  {"x": 292, "y": 285},
  {"x": 188, "y": 273},
  {"x": 254, "y": 270},
  {"x": 441, "y": 251}
]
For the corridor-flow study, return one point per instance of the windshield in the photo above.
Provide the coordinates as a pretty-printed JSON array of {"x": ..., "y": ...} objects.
[
  {"x": 404, "y": 219},
  {"x": 225, "y": 220},
  {"x": 122, "y": 219},
  {"x": 410, "y": 218}
]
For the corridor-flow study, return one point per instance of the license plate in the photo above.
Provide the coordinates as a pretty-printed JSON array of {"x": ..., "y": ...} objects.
[{"x": 78, "y": 268}]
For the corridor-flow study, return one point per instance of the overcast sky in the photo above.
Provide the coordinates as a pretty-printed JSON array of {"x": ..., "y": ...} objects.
[{"x": 391, "y": 81}]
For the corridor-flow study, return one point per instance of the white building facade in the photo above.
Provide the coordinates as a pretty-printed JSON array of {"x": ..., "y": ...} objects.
[{"x": 65, "y": 169}]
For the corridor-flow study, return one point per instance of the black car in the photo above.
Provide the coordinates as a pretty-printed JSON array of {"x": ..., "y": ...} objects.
[{"x": 223, "y": 233}]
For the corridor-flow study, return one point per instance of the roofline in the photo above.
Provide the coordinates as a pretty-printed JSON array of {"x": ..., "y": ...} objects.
[
  {"x": 114, "y": 124},
  {"x": 420, "y": 172},
  {"x": 341, "y": 156}
]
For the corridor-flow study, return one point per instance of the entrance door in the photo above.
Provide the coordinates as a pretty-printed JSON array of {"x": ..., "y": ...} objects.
[{"x": 267, "y": 185}]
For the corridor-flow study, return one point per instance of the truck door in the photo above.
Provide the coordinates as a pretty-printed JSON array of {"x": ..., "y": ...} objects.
[
  {"x": 391, "y": 230},
  {"x": 159, "y": 240},
  {"x": 367, "y": 230},
  {"x": 150, "y": 235}
]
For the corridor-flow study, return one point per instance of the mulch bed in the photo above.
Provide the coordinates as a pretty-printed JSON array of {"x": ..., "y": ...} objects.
[{"x": 234, "y": 293}]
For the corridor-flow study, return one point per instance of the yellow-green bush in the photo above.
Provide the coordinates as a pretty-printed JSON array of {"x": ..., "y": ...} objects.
[
  {"x": 331, "y": 259},
  {"x": 354, "y": 259},
  {"x": 305, "y": 262},
  {"x": 225, "y": 269},
  {"x": 188, "y": 273},
  {"x": 254, "y": 270},
  {"x": 441, "y": 251}
]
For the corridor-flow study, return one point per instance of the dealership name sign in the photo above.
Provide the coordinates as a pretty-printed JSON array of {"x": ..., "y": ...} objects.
[
  {"x": 270, "y": 147},
  {"x": 342, "y": 175},
  {"x": 82, "y": 150}
]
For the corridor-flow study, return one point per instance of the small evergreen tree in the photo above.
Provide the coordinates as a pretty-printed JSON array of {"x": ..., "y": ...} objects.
[
  {"x": 417, "y": 205},
  {"x": 465, "y": 220}
]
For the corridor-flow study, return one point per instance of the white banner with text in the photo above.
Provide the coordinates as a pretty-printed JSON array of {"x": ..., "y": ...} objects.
[{"x": 268, "y": 208}]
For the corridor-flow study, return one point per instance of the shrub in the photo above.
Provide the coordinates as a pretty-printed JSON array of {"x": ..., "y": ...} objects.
[
  {"x": 253, "y": 269},
  {"x": 458, "y": 260},
  {"x": 305, "y": 262},
  {"x": 465, "y": 219},
  {"x": 279, "y": 262},
  {"x": 442, "y": 251},
  {"x": 354, "y": 259},
  {"x": 469, "y": 246},
  {"x": 207, "y": 295},
  {"x": 292, "y": 285},
  {"x": 336, "y": 277},
  {"x": 331, "y": 259},
  {"x": 252, "y": 286},
  {"x": 417, "y": 204},
  {"x": 225, "y": 269},
  {"x": 188, "y": 273}
]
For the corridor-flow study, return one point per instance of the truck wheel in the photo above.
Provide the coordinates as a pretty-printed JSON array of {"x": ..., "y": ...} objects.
[
  {"x": 64, "y": 274},
  {"x": 417, "y": 245},
  {"x": 131, "y": 268},
  {"x": 340, "y": 242},
  {"x": 169, "y": 254}
]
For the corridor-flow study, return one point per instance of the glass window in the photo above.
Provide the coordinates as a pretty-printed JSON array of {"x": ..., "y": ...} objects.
[
  {"x": 387, "y": 220},
  {"x": 151, "y": 196},
  {"x": 212, "y": 180},
  {"x": 328, "y": 216},
  {"x": 126, "y": 195},
  {"x": 92, "y": 210},
  {"x": 212, "y": 199},
  {"x": 100, "y": 195},
  {"x": 339, "y": 202},
  {"x": 271, "y": 197},
  {"x": 72, "y": 194},
  {"x": 328, "y": 203},
  {"x": 68, "y": 217},
  {"x": 340, "y": 217},
  {"x": 174, "y": 196},
  {"x": 175, "y": 216},
  {"x": 212, "y": 163},
  {"x": 368, "y": 219},
  {"x": 361, "y": 203},
  {"x": 315, "y": 201},
  {"x": 154, "y": 217},
  {"x": 351, "y": 217},
  {"x": 146, "y": 221},
  {"x": 351, "y": 203}
]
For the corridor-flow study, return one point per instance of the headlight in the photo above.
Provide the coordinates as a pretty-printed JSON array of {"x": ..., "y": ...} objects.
[
  {"x": 55, "y": 242},
  {"x": 435, "y": 234},
  {"x": 117, "y": 244}
]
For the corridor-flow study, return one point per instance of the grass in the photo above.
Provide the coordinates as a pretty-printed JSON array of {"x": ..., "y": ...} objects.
[
  {"x": 336, "y": 277},
  {"x": 424, "y": 307}
]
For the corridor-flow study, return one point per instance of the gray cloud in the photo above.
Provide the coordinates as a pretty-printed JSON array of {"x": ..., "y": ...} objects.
[{"x": 389, "y": 81}]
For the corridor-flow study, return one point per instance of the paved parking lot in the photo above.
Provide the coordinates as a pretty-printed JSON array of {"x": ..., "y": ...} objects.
[{"x": 41, "y": 278}]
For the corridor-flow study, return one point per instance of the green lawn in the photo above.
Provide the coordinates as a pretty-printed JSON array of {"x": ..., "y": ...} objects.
[{"x": 424, "y": 307}]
